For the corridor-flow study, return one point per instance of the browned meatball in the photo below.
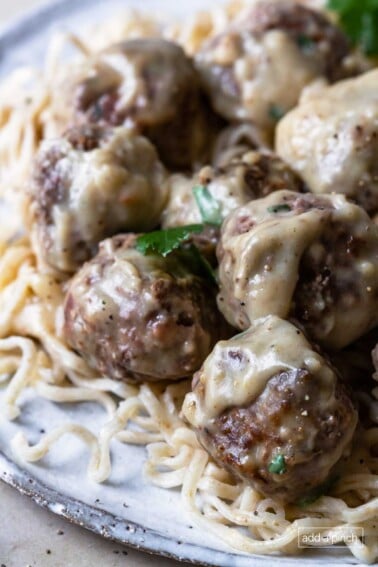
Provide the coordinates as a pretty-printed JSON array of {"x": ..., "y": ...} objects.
[
  {"x": 257, "y": 68},
  {"x": 272, "y": 410},
  {"x": 307, "y": 257},
  {"x": 149, "y": 84},
  {"x": 92, "y": 183},
  {"x": 255, "y": 174},
  {"x": 136, "y": 317}
]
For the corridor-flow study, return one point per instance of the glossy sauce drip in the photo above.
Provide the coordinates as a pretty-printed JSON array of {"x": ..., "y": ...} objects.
[{"x": 238, "y": 370}]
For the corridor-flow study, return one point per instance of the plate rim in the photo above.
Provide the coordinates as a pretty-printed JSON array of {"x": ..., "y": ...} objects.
[{"x": 84, "y": 515}]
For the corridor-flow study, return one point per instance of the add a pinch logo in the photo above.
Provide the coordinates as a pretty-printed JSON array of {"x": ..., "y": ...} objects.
[{"x": 323, "y": 536}]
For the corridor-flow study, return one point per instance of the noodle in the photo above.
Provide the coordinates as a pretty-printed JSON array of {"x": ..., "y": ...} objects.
[{"x": 33, "y": 353}]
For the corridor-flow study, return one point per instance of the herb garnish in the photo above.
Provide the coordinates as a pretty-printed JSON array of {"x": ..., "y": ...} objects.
[
  {"x": 163, "y": 242},
  {"x": 317, "y": 492},
  {"x": 279, "y": 209},
  {"x": 208, "y": 206},
  {"x": 305, "y": 43},
  {"x": 359, "y": 20},
  {"x": 276, "y": 112},
  {"x": 277, "y": 465}
]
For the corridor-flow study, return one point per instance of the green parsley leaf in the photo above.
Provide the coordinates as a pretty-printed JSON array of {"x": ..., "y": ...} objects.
[
  {"x": 208, "y": 206},
  {"x": 359, "y": 20},
  {"x": 276, "y": 112},
  {"x": 279, "y": 209},
  {"x": 277, "y": 465},
  {"x": 317, "y": 492},
  {"x": 163, "y": 242},
  {"x": 305, "y": 43}
]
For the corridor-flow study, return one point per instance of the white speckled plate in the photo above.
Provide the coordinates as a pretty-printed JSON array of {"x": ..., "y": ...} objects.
[{"x": 126, "y": 508}]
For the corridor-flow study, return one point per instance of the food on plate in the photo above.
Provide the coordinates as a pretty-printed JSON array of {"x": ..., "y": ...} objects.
[
  {"x": 151, "y": 222},
  {"x": 214, "y": 192},
  {"x": 257, "y": 67},
  {"x": 139, "y": 317},
  {"x": 254, "y": 175},
  {"x": 268, "y": 407},
  {"x": 331, "y": 140},
  {"x": 149, "y": 84},
  {"x": 312, "y": 258},
  {"x": 91, "y": 183}
]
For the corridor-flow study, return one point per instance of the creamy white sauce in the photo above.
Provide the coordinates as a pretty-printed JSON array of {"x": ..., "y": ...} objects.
[
  {"x": 238, "y": 370},
  {"x": 259, "y": 270},
  {"x": 269, "y": 72},
  {"x": 331, "y": 138},
  {"x": 273, "y": 71},
  {"x": 261, "y": 265},
  {"x": 118, "y": 186}
]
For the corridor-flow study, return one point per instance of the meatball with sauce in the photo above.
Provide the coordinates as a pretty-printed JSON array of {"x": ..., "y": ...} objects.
[
  {"x": 331, "y": 140},
  {"x": 92, "y": 183},
  {"x": 308, "y": 257},
  {"x": 141, "y": 318},
  {"x": 257, "y": 68},
  {"x": 271, "y": 410},
  {"x": 151, "y": 85},
  {"x": 253, "y": 175}
]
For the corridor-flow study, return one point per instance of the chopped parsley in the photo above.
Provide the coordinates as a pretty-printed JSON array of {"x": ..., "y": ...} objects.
[
  {"x": 276, "y": 112},
  {"x": 359, "y": 20},
  {"x": 208, "y": 206},
  {"x": 305, "y": 43},
  {"x": 277, "y": 465},
  {"x": 317, "y": 492},
  {"x": 163, "y": 242},
  {"x": 279, "y": 208}
]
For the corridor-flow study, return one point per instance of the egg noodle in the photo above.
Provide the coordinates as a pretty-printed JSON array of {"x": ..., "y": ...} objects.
[{"x": 33, "y": 353}]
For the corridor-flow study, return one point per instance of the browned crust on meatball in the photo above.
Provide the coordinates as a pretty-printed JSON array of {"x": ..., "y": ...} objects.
[
  {"x": 176, "y": 117},
  {"x": 87, "y": 137},
  {"x": 263, "y": 173},
  {"x": 293, "y": 417},
  {"x": 320, "y": 287},
  {"x": 126, "y": 340}
]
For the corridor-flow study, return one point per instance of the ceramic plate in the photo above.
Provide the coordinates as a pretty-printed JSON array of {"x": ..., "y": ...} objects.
[{"x": 126, "y": 508}]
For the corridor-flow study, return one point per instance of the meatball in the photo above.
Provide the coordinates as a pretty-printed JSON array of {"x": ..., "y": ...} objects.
[
  {"x": 311, "y": 258},
  {"x": 149, "y": 84},
  {"x": 271, "y": 410},
  {"x": 257, "y": 68},
  {"x": 253, "y": 175},
  {"x": 92, "y": 183},
  {"x": 331, "y": 140},
  {"x": 141, "y": 318}
]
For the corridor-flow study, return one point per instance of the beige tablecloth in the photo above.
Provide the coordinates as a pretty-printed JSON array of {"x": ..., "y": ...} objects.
[{"x": 32, "y": 537}]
